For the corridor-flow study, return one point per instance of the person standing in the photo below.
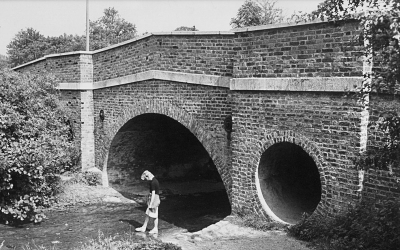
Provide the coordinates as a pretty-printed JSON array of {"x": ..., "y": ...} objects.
[{"x": 153, "y": 201}]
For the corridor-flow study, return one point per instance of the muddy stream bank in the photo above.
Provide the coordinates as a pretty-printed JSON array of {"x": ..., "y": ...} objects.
[{"x": 192, "y": 215}]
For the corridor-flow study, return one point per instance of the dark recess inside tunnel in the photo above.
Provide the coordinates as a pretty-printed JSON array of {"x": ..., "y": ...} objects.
[
  {"x": 191, "y": 190},
  {"x": 289, "y": 181},
  {"x": 161, "y": 145}
]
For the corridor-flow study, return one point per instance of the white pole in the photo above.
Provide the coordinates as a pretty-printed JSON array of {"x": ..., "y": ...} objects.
[{"x": 87, "y": 25}]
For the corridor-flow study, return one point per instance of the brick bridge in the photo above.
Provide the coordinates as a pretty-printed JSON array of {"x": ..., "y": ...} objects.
[{"x": 266, "y": 105}]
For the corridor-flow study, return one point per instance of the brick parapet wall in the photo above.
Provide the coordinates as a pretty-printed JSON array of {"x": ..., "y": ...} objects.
[
  {"x": 308, "y": 50},
  {"x": 198, "y": 54},
  {"x": 65, "y": 67},
  {"x": 311, "y": 50}
]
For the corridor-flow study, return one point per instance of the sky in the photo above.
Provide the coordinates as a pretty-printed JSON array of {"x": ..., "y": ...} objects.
[{"x": 56, "y": 17}]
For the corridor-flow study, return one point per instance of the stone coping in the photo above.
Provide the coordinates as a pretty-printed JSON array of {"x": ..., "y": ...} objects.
[
  {"x": 200, "y": 79},
  {"x": 317, "y": 84},
  {"x": 283, "y": 25},
  {"x": 275, "y": 26},
  {"x": 54, "y": 55}
]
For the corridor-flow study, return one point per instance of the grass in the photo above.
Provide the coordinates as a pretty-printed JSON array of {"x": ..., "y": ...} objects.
[
  {"x": 368, "y": 226},
  {"x": 127, "y": 242},
  {"x": 252, "y": 220}
]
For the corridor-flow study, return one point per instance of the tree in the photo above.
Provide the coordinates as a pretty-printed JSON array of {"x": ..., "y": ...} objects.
[
  {"x": 64, "y": 43},
  {"x": 26, "y": 46},
  {"x": 110, "y": 29},
  {"x": 3, "y": 62},
  {"x": 185, "y": 28},
  {"x": 257, "y": 12},
  {"x": 34, "y": 144}
]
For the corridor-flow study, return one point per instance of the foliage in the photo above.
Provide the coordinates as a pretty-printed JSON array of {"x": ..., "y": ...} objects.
[
  {"x": 366, "y": 226},
  {"x": 299, "y": 16},
  {"x": 387, "y": 156},
  {"x": 257, "y": 12},
  {"x": 185, "y": 28},
  {"x": 34, "y": 145},
  {"x": 3, "y": 62},
  {"x": 109, "y": 29},
  {"x": 27, "y": 45},
  {"x": 64, "y": 43}
]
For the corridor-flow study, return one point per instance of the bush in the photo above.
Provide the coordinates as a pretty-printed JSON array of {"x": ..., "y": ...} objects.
[
  {"x": 366, "y": 226},
  {"x": 34, "y": 145}
]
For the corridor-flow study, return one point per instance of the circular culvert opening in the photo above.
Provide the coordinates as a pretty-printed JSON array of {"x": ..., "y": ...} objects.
[{"x": 289, "y": 182}]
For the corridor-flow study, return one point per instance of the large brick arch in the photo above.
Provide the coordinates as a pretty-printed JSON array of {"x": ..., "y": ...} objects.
[
  {"x": 276, "y": 136},
  {"x": 144, "y": 106}
]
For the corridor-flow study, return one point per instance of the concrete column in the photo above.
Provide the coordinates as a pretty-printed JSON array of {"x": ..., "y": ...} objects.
[{"x": 87, "y": 112}]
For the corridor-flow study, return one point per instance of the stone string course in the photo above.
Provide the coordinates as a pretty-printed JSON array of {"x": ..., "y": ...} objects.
[{"x": 287, "y": 83}]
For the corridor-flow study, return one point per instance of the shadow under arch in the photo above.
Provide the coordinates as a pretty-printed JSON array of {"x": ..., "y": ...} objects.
[
  {"x": 112, "y": 125},
  {"x": 302, "y": 143}
]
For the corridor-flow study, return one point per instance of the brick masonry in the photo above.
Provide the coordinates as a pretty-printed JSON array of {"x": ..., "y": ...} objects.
[
  {"x": 379, "y": 184},
  {"x": 201, "y": 109},
  {"x": 71, "y": 100},
  {"x": 318, "y": 50},
  {"x": 279, "y": 83},
  {"x": 199, "y": 54},
  {"x": 326, "y": 126}
]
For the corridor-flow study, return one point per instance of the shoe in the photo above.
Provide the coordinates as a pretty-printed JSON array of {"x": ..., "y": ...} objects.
[
  {"x": 153, "y": 231},
  {"x": 140, "y": 229}
]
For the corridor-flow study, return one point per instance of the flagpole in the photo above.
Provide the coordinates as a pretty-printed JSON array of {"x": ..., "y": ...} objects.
[{"x": 87, "y": 25}]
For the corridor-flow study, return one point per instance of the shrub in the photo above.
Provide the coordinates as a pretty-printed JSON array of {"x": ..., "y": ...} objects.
[
  {"x": 34, "y": 145},
  {"x": 366, "y": 226}
]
